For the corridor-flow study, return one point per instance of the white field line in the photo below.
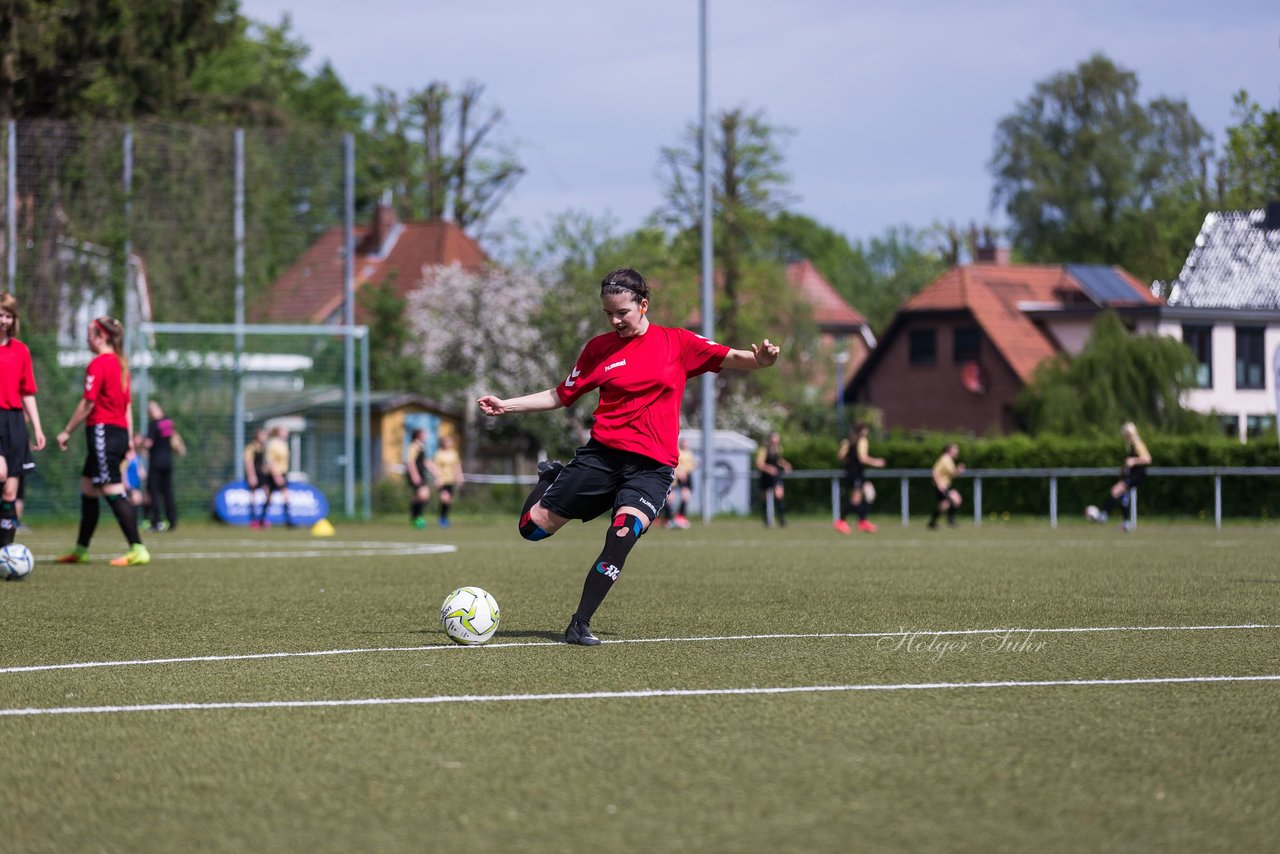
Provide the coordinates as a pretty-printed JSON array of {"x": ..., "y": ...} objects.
[
  {"x": 314, "y": 550},
  {"x": 81, "y": 665},
  {"x": 622, "y": 695}
]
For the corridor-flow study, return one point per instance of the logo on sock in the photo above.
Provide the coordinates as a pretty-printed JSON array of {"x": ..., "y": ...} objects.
[{"x": 608, "y": 569}]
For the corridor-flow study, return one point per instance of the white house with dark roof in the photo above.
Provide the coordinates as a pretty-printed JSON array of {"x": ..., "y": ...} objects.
[{"x": 1225, "y": 305}]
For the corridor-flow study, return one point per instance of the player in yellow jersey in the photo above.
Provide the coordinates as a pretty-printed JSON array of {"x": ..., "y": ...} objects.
[
  {"x": 448, "y": 472},
  {"x": 944, "y": 475}
]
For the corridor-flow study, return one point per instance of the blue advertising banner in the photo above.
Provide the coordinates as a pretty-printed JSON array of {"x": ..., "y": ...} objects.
[{"x": 307, "y": 505}]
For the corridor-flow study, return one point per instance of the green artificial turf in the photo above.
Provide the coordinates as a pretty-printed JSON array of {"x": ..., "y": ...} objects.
[{"x": 1185, "y": 766}]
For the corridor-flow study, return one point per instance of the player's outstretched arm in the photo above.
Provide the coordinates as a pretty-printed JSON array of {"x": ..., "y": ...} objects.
[
  {"x": 760, "y": 355},
  {"x": 539, "y": 401}
]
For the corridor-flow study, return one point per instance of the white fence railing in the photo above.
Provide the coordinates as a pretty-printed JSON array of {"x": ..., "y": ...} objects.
[{"x": 905, "y": 476}]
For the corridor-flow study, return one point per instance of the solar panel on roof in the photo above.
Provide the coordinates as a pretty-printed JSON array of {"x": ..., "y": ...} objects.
[{"x": 1102, "y": 283}]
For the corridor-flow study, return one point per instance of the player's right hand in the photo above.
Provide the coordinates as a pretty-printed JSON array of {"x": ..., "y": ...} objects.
[{"x": 491, "y": 405}]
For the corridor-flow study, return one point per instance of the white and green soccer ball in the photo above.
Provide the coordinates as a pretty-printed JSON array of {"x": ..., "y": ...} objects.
[
  {"x": 16, "y": 562},
  {"x": 469, "y": 616}
]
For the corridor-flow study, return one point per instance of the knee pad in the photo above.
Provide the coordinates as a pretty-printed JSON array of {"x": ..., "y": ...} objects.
[{"x": 530, "y": 529}]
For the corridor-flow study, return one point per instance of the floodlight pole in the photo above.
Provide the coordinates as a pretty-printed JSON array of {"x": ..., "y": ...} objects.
[
  {"x": 238, "y": 429},
  {"x": 708, "y": 283},
  {"x": 349, "y": 318}
]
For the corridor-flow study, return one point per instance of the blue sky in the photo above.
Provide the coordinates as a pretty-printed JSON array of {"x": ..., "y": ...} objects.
[{"x": 893, "y": 109}]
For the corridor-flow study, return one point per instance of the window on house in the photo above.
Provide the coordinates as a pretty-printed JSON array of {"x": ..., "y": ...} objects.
[
  {"x": 1230, "y": 426},
  {"x": 1259, "y": 425},
  {"x": 1199, "y": 340},
  {"x": 924, "y": 346},
  {"x": 967, "y": 344},
  {"x": 1250, "y": 361}
]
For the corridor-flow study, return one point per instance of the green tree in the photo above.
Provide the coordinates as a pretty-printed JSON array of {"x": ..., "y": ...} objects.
[
  {"x": 1249, "y": 170},
  {"x": 1085, "y": 170},
  {"x": 1117, "y": 377},
  {"x": 748, "y": 187},
  {"x": 437, "y": 149},
  {"x": 258, "y": 79},
  {"x": 394, "y": 360},
  {"x": 73, "y": 59}
]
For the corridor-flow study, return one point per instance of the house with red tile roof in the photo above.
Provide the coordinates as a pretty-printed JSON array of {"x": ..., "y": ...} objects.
[
  {"x": 311, "y": 291},
  {"x": 956, "y": 354},
  {"x": 844, "y": 334}
]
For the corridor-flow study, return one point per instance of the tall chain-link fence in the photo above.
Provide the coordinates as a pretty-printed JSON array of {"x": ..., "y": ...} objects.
[{"x": 140, "y": 222}]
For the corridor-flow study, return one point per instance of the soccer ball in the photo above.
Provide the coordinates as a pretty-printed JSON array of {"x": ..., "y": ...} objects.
[
  {"x": 469, "y": 616},
  {"x": 16, "y": 562},
  {"x": 1092, "y": 513}
]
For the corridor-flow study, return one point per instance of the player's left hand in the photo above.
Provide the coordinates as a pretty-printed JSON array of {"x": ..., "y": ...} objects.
[{"x": 766, "y": 353}]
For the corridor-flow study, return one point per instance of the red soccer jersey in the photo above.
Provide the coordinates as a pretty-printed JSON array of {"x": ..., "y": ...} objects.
[
  {"x": 106, "y": 384},
  {"x": 641, "y": 381},
  {"x": 16, "y": 378}
]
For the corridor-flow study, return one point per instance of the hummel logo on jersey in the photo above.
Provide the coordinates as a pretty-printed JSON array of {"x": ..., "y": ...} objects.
[
  {"x": 608, "y": 569},
  {"x": 573, "y": 378},
  {"x": 88, "y": 383},
  {"x": 620, "y": 364}
]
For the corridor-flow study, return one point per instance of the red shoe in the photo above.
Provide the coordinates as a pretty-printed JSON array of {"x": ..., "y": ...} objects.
[
  {"x": 253, "y": 523},
  {"x": 841, "y": 525},
  {"x": 866, "y": 527}
]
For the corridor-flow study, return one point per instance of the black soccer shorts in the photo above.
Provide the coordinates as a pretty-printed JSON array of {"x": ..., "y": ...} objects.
[{"x": 600, "y": 478}]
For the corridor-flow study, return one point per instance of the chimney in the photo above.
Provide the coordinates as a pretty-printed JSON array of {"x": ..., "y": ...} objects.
[
  {"x": 991, "y": 254},
  {"x": 384, "y": 219},
  {"x": 1272, "y": 220}
]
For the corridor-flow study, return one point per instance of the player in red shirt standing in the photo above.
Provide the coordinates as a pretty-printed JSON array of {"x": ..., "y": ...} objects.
[
  {"x": 628, "y": 465},
  {"x": 108, "y": 418},
  {"x": 17, "y": 403}
]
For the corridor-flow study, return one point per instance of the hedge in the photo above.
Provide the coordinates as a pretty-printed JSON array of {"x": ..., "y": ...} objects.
[{"x": 1242, "y": 497}]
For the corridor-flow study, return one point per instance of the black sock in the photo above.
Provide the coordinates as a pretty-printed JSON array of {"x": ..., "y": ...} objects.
[
  {"x": 780, "y": 511},
  {"x": 88, "y": 519},
  {"x": 415, "y": 509},
  {"x": 618, "y": 542},
  {"x": 951, "y": 515},
  {"x": 861, "y": 508},
  {"x": 8, "y": 522},
  {"x": 1112, "y": 503},
  {"x": 444, "y": 511},
  {"x": 845, "y": 509},
  {"x": 128, "y": 520},
  {"x": 933, "y": 520}
]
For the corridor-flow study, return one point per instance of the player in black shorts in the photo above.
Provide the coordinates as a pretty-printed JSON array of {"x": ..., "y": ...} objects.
[
  {"x": 772, "y": 468},
  {"x": 417, "y": 470},
  {"x": 856, "y": 458},
  {"x": 17, "y": 404},
  {"x": 106, "y": 411},
  {"x": 1132, "y": 474},
  {"x": 625, "y": 469}
]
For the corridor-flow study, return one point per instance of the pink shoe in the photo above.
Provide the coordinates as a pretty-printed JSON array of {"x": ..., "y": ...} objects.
[
  {"x": 253, "y": 523},
  {"x": 866, "y": 527},
  {"x": 841, "y": 525}
]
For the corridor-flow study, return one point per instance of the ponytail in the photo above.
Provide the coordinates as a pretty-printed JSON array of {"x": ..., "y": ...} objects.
[{"x": 113, "y": 331}]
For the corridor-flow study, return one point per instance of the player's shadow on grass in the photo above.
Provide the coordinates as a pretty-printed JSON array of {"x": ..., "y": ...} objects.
[{"x": 435, "y": 630}]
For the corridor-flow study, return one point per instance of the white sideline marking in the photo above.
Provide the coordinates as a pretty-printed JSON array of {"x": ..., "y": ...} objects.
[
  {"x": 620, "y": 695},
  {"x": 328, "y": 549},
  {"x": 28, "y": 668}
]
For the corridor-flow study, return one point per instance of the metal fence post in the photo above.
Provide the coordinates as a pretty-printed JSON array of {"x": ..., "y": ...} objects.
[
  {"x": 835, "y": 498},
  {"x": 768, "y": 507},
  {"x": 906, "y": 510},
  {"x": 1133, "y": 507},
  {"x": 977, "y": 502},
  {"x": 1053, "y": 501},
  {"x": 1217, "y": 501}
]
